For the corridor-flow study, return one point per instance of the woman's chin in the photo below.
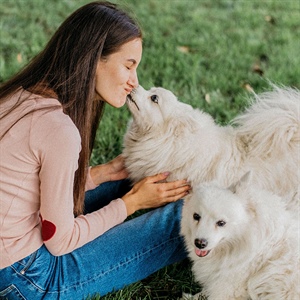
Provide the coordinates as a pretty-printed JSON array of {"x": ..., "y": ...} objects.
[{"x": 116, "y": 102}]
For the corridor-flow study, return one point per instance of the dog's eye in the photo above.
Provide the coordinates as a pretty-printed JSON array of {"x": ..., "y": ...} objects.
[
  {"x": 196, "y": 217},
  {"x": 221, "y": 223},
  {"x": 154, "y": 98}
]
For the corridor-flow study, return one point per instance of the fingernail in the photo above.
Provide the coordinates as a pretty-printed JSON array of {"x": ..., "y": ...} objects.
[{"x": 166, "y": 173}]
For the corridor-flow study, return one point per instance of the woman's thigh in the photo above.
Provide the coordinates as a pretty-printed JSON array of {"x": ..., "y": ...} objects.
[
  {"x": 104, "y": 194},
  {"x": 125, "y": 254}
]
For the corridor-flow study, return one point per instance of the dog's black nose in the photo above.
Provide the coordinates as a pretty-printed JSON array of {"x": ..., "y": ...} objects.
[{"x": 201, "y": 243}]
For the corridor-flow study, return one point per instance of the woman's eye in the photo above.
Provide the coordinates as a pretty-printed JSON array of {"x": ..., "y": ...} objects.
[
  {"x": 154, "y": 98},
  {"x": 221, "y": 223},
  {"x": 196, "y": 217}
]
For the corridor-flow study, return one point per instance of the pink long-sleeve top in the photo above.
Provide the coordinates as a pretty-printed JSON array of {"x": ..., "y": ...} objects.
[{"x": 38, "y": 159}]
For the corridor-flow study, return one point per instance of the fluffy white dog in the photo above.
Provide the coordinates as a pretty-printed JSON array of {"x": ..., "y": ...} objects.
[
  {"x": 168, "y": 135},
  {"x": 243, "y": 243}
]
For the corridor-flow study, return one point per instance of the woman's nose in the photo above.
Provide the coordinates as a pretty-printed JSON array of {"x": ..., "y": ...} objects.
[{"x": 133, "y": 79}]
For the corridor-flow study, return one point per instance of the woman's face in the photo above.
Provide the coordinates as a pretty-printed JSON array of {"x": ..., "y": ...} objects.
[{"x": 116, "y": 74}]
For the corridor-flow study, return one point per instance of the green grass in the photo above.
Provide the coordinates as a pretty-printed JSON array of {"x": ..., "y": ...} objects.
[{"x": 207, "y": 52}]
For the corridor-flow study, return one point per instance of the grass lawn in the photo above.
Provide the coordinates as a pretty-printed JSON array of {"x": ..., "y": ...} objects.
[{"x": 210, "y": 53}]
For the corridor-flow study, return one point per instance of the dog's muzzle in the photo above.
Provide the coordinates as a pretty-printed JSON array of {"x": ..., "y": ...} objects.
[
  {"x": 201, "y": 244},
  {"x": 130, "y": 99}
]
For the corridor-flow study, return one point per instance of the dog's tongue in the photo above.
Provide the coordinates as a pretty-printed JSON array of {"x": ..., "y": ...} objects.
[{"x": 201, "y": 253}]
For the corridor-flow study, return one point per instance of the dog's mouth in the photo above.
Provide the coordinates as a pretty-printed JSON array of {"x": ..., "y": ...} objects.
[
  {"x": 201, "y": 253},
  {"x": 130, "y": 99}
]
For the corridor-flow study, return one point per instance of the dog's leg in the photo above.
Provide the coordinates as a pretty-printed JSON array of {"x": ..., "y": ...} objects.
[{"x": 198, "y": 296}]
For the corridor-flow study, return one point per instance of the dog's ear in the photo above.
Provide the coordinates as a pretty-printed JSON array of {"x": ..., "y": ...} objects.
[
  {"x": 182, "y": 125},
  {"x": 179, "y": 128},
  {"x": 243, "y": 182}
]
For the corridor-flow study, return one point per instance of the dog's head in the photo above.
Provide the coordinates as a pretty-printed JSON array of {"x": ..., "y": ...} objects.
[
  {"x": 154, "y": 107},
  {"x": 213, "y": 217}
]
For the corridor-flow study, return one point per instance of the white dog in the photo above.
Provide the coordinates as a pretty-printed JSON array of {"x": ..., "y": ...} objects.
[
  {"x": 168, "y": 135},
  {"x": 243, "y": 243}
]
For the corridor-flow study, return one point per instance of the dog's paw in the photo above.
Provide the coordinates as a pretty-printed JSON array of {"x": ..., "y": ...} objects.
[
  {"x": 198, "y": 296},
  {"x": 186, "y": 296}
]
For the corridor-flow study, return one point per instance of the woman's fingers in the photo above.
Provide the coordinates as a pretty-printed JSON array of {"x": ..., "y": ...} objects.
[
  {"x": 173, "y": 189},
  {"x": 176, "y": 184},
  {"x": 176, "y": 193},
  {"x": 152, "y": 192},
  {"x": 168, "y": 185},
  {"x": 157, "y": 178}
]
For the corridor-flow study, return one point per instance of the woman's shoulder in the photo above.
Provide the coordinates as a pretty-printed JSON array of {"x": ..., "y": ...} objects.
[
  {"x": 52, "y": 130},
  {"x": 26, "y": 112},
  {"x": 44, "y": 110},
  {"x": 53, "y": 121},
  {"x": 22, "y": 104},
  {"x": 47, "y": 118}
]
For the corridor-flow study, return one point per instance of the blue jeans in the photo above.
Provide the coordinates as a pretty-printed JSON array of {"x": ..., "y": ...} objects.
[{"x": 125, "y": 254}]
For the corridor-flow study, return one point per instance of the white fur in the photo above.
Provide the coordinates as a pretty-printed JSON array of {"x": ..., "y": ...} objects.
[
  {"x": 255, "y": 255},
  {"x": 172, "y": 136}
]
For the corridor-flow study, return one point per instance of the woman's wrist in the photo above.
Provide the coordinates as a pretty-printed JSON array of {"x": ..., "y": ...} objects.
[
  {"x": 130, "y": 203},
  {"x": 97, "y": 174}
]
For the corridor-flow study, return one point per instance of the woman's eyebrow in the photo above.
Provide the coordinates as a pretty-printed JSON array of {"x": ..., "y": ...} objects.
[{"x": 132, "y": 60}]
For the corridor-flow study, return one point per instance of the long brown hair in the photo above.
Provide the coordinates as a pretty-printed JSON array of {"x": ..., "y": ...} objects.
[{"x": 66, "y": 68}]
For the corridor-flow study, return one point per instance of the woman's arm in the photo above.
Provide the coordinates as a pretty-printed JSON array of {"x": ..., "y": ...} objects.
[
  {"x": 56, "y": 144},
  {"x": 148, "y": 193}
]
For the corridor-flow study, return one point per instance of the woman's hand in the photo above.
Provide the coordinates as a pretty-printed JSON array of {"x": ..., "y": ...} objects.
[
  {"x": 111, "y": 171},
  {"x": 151, "y": 193}
]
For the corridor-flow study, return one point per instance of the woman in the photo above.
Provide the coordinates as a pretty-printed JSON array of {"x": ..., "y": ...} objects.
[{"x": 57, "y": 242}]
